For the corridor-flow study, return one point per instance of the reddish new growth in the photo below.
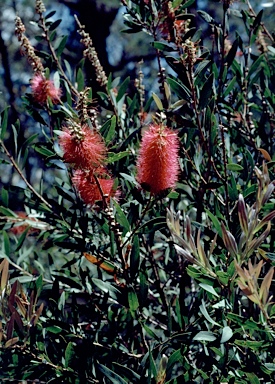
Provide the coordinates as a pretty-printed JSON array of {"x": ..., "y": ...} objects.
[
  {"x": 88, "y": 187},
  {"x": 157, "y": 164},
  {"x": 84, "y": 149},
  {"x": 43, "y": 89}
]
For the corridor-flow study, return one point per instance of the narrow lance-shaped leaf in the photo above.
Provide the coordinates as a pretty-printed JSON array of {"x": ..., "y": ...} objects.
[
  {"x": 265, "y": 286},
  {"x": 200, "y": 250},
  {"x": 4, "y": 269},
  {"x": 134, "y": 257},
  {"x": 157, "y": 101},
  {"x": 186, "y": 255},
  {"x": 111, "y": 375},
  {"x": 132, "y": 301},
  {"x": 242, "y": 212},
  {"x": 69, "y": 354},
  {"x": 232, "y": 53},
  {"x": 229, "y": 241},
  {"x": 240, "y": 271},
  {"x": 264, "y": 221},
  {"x": 268, "y": 193},
  {"x": 255, "y": 269},
  {"x": 101, "y": 263},
  {"x": 255, "y": 243},
  {"x": 123, "y": 89},
  {"x": 206, "y": 314}
]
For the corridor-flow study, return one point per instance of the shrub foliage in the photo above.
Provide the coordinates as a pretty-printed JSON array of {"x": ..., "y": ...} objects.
[{"x": 167, "y": 277}]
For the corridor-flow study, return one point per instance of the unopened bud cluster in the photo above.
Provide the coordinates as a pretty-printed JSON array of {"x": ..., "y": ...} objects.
[
  {"x": 140, "y": 87},
  {"x": 112, "y": 221},
  {"x": 39, "y": 7},
  {"x": 91, "y": 54},
  {"x": 191, "y": 51},
  {"x": 26, "y": 47},
  {"x": 85, "y": 111}
]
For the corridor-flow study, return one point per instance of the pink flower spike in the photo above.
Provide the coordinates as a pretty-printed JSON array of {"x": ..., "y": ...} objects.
[
  {"x": 88, "y": 188},
  {"x": 86, "y": 151},
  {"x": 157, "y": 164},
  {"x": 43, "y": 89}
]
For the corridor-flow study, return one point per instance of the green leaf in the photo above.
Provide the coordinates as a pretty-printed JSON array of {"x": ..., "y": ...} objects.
[
  {"x": 132, "y": 376},
  {"x": 234, "y": 167},
  {"x": 206, "y": 92},
  {"x": 133, "y": 301},
  {"x": 55, "y": 24},
  {"x": 154, "y": 224},
  {"x": 4, "y": 122},
  {"x": 39, "y": 285},
  {"x": 60, "y": 45},
  {"x": 150, "y": 332},
  {"x": 7, "y": 212},
  {"x": 163, "y": 46},
  {"x": 270, "y": 366},
  {"x": 206, "y": 314},
  {"x": 121, "y": 218},
  {"x": 187, "y": 4},
  {"x": 80, "y": 80},
  {"x": 30, "y": 140},
  {"x": 253, "y": 379},
  {"x": 69, "y": 354},
  {"x": 206, "y": 16},
  {"x": 51, "y": 38},
  {"x": 257, "y": 20},
  {"x": 22, "y": 238},
  {"x": 181, "y": 90},
  {"x": 122, "y": 89},
  {"x": 134, "y": 257},
  {"x": 44, "y": 151},
  {"x": 215, "y": 221},
  {"x": 6, "y": 241},
  {"x": 209, "y": 289},
  {"x": 54, "y": 329},
  {"x": 205, "y": 336},
  {"x": 104, "y": 286},
  {"x": 111, "y": 130},
  {"x": 230, "y": 87},
  {"x": 175, "y": 358},
  {"x": 232, "y": 53},
  {"x": 173, "y": 195},
  {"x": 254, "y": 345},
  {"x": 144, "y": 287},
  {"x": 5, "y": 197},
  {"x": 112, "y": 376},
  {"x": 227, "y": 333},
  {"x": 50, "y": 14},
  {"x": 157, "y": 101},
  {"x": 113, "y": 157}
]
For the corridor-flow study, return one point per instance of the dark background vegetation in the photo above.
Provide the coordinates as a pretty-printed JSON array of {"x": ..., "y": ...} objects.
[{"x": 140, "y": 293}]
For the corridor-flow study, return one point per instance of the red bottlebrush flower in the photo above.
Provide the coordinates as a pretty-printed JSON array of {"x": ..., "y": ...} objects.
[
  {"x": 85, "y": 148},
  {"x": 88, "y": 188},
  {"x": 157, "y": 164},
  {"x": 43, "y": 89}
]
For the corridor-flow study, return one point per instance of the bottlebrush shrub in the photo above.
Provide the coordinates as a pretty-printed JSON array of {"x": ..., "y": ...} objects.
[{"x": 137, "y": 228}]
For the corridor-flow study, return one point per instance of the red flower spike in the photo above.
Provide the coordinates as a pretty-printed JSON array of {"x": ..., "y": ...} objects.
[
  {"x": 157, "y": 164},
  {"x": 87, "y": 152},
  {"x": 43, "y": 89},
  {"x": 88, "y": 187}
]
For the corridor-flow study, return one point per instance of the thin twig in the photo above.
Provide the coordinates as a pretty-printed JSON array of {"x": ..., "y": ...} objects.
[{"x": 15, "y": 165}]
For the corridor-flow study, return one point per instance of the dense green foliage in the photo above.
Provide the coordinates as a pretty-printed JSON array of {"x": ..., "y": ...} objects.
[{"x": 173, "y": 287}]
